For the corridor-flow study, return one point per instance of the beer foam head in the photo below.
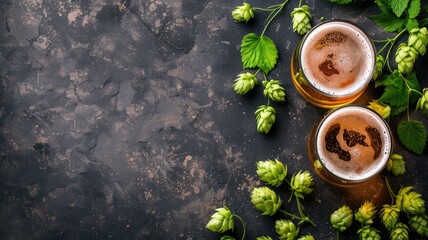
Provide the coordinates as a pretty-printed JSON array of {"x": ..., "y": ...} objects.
[
  {"x": 337, "y": 58},
  {"x": 353, "y": 143}
]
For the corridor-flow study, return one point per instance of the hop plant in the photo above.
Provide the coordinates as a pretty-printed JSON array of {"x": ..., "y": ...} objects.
[
  {"x": 405, "y": 57},
  {"x": 307, "y": 237},
  {"x": 300, "y": 78},
  {"x": 342, "y": 218},
  {"x": 265, "y": 117},
  {"x": 243, "y": 13},
  {"x": 368, "y": 233},
  {"x": 409, "y": 201},
  {"x": 382, "y": 109},
  {"x": 396, "y": 165},
  {"x": 419, "y": 224},
  {"x": 244, "y": 83},
  {"x": 274, "y": 90},
  {"x": 389, "y": 215},
  {"x": 226, "y": 237},
  {"x": 286, "y": 229},
  {"x": 423, "y": 101},
  {"x": 264, "y": 238},
  {"x": 301, "y": 19},
  {"x": 301, "y": 183},
  {"x": 418, "y": 39},
  {"x": 265, "y": 200},
  {"x": 380, "y": 63},
  {"x": 221, "y": 220},
  {"x": 365, "y": 213},
  {"x": 271, "y": 172},
  {"x": 400, "y": 232}
]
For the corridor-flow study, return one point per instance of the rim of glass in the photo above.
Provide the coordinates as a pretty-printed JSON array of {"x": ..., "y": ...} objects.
[
  {"x": 384, "y": 160},
  {"x": 366, "y": 37}
]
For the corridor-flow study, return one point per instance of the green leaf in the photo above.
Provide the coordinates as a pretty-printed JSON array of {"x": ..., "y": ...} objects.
[
  {"x": 396, "y": 93},
  {"x": 413, "y": 135},
  {"x": 259, "y": 52},
  {"x": 411, "y": 23},
  {"x": 414, "y": 8},
  {"x": 399, "y": 6},
  {"x": 413, "y": 83},
  {"x": 389, "y": 22},
  {"x": 384, "y": 5},
  {"x": 340, "y": 1}
]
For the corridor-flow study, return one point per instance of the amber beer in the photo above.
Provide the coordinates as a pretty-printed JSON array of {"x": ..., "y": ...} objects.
[
  {"x": 352, "y": 144},
  {"x": 333, "y": 64}
]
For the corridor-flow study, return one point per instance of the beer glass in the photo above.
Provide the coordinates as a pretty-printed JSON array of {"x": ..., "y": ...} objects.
[
  {"x": 333, "y": 64},
  {"x": 350, "y": 145}
]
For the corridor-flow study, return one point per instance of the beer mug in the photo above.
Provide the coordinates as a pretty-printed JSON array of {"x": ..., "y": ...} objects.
[
  {"x": 333, "y": 64},
  {"x": 350, "y": 145}
]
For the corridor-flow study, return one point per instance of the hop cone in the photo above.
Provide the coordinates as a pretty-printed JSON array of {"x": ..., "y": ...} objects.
[
  {"x": 400, "y": 232},
  {"x": 300, "y": 78},
  {"x": 380, "y": 62},
  {"x": 244, "y": 83},
  {"x": 264, "y": 238},
  {"x": 301, "y": 20},
  {"x": 423, "y": 101},
  {"x": 418, "y": 39},
  {"x": 389, "y": 216},
  {"x": 265, "y": 117},
  {"x": 226, "y": 237},
  {"x": 366, "y": 213},
  {"x": 243, "y": 13},
  {"x": 301, "y": 183},
  {"x": 368, "y": 233},
  {"x": 286, "y": 229},
  {"x": 419, "y": 224},
  {"x": 382, "y": 109},
  {"x": 271, "y": 172},
  {"x": 405, "y": 58},
  {"x": 265, "y": 200},
  {"x": 307, "y": 237},
  {"x": 274, "y": 90},
  {"x": 221, "y": 220},
  {"x": 396, "y": 165},
  {"x": 342, "y": 218},
  {"x": 410, "y": 201}
]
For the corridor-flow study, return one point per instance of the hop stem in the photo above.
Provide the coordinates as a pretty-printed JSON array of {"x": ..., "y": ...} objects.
[
  {"x": 243, "y": 225},
  {"x": 302, "y": 214},
  {"x": 391, "y": 193}
]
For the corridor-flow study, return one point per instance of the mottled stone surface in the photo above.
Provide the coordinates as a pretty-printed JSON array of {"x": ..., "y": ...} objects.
[{"x": 118, "y": 120}]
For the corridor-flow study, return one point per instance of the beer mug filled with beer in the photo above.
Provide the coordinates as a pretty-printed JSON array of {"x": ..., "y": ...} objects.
[{"x": 333, "y": 64}]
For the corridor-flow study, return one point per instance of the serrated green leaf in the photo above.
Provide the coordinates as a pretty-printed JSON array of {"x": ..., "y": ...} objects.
[
  {"x": 414, "y": 8},
  {"x": 259, "y": 52},
  {"x": 389, "y": 22},
  {"x": 413, "y": 83},
  {"x": 340, "y": 1},
  {"x": 396, "y": 93},
  {"x": 399, "y": 6},
  {"x": 411, "y": 23},
  {"x": 412, "y": 135},
  {"x": 384, "y": 5}
]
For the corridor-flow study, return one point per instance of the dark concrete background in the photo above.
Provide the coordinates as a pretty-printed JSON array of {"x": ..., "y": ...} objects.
[{"x": 118, "y": 120}]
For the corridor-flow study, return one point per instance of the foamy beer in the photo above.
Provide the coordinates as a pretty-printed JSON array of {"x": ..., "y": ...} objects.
[
  {"x": 351, "y": 143},
  {"x": 333, "y": 64}
]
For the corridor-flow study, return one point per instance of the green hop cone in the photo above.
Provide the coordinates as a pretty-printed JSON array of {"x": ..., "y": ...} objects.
[
  {"x": 419, "y": 224},
  {"x": 423, "y": 101},
  {"x": 244, "y": 83},
  {"x": 301, "y": 20},
  {"x": 301, "y": 183},
  {"x": 382, "y": 109},
  {"x": 265, "y": 117},
  {"x": 405, "y": 57},
  {"x": 271, "y": 172},
  {"x": 300, "y": 78},
  {"x": 274, "y": 90},
  {"x": 286, "y": 229},
  {"x": 409, "y": 201},
  {"x": 418, "y": 39},
  {"x": 263, "y": 238},
  {"x": 389, "y": 215},
  {"x": 368, "y": 233},
  {"x": 342, "y": 218},
  {"x": 366, "y": 213},
  {"x": 400, "y": 232},
  {"x": 380, "y": 63},
  {"x": 221, "y": 220},
  {"x": 226, "y": 237},
  {"x": 306, "y": 237},
  {"x": 243, "y": 13},
  {"x": 265, "y": 200},
  {"x": 396, "y": 165}
]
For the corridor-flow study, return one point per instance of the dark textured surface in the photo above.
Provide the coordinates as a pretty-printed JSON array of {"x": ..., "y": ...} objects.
[{"x": 118, "y": 120}]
